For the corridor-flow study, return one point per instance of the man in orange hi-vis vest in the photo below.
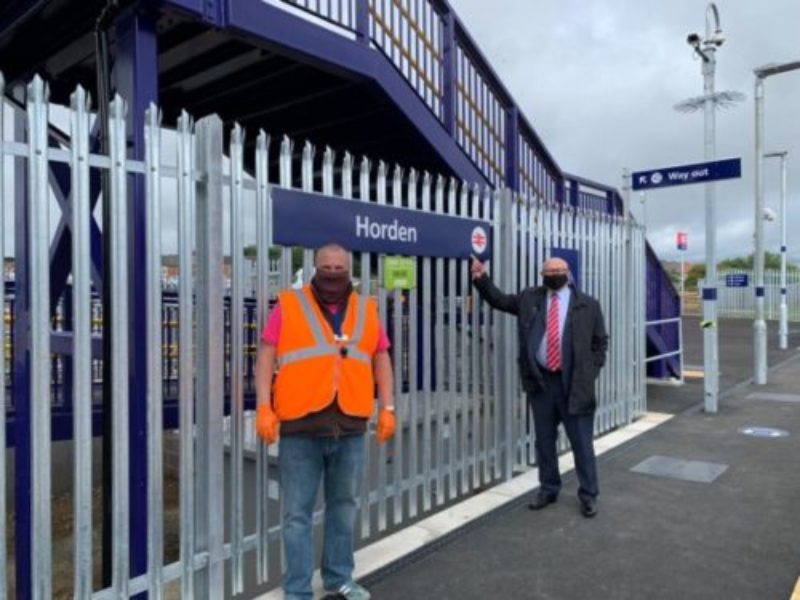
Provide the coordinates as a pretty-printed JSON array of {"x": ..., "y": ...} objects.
[{"x": 331, "y": 353}]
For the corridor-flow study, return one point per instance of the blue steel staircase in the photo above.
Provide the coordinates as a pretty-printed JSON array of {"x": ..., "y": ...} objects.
[{"x": 399, "y": 79}]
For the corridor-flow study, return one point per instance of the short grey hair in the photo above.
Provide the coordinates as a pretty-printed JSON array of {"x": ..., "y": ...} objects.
[{"x": 334, "y": 247}]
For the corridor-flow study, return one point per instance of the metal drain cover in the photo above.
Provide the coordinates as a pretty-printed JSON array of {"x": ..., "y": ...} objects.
[
  {"x": 677, "y": 468},
  {"x": 764, "y": 432}
]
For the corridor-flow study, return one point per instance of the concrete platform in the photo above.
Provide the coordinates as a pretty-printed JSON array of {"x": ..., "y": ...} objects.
[
  {"x": 717, "y": 519},
  {"x": 737, "y": 536}
]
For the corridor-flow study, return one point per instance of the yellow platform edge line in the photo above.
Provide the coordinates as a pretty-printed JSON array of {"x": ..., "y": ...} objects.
[{"x": 796, "y": 592}]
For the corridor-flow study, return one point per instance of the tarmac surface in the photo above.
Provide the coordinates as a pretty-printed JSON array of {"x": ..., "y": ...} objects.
[{"x": 723, "y": 524}]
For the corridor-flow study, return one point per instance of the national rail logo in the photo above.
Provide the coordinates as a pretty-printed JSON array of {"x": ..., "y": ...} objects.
[{"x": 478, "y": 240}]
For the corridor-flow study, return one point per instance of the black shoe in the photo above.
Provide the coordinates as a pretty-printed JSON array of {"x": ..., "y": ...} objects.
[
  {"x": 541, "y": 500},
  {"x": 588, "y": 507}
]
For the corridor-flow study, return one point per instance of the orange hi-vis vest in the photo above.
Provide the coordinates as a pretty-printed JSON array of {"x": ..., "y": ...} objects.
[{"x": 315, "y": 366}]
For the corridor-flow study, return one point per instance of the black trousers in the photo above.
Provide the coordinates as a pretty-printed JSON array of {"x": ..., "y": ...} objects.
[{"x": 549, "y": 408}]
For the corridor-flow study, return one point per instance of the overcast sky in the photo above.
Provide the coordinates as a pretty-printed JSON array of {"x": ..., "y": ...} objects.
[{"x": 598, "y": 80}]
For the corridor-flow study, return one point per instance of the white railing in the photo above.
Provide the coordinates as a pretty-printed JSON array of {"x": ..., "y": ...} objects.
[
  {"x": 678, "y": 321},
  {"x": 740, "y": 301}
]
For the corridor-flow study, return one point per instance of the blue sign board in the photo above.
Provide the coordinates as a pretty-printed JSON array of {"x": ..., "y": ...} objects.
[
  {"x": 730, "y": 168},
  {"x": 573, "y": 259},
  {"x": 736, "y": 280},
  {"x": 311, "y": 220}
]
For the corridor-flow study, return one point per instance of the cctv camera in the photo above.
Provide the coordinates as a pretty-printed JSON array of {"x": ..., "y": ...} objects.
[
  {"x": 769, "y": 214},
  {"x": 693, "y": 40},
  {"x": 718, "y": 38}
]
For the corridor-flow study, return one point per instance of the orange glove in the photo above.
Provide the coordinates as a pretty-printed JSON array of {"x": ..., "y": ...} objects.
[
  {"x": 386, "y": 425},
  {"x": 266, "y": 423}
]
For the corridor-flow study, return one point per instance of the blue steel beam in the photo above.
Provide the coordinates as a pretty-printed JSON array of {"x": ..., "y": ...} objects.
[
  {"x": 22, "y": 390},
  {"x": 136, "y": 79},
  {"x": 307, "y": 42},
  {"x": 362, "y": 23},
  {"x": 574, "y": 193},
  {"x": 61, "y": 343},
  {"x": 60, "y": 248},
  {"x": 20, "y": 13},
  {"x": 449, "y": 68},
  {"x": 601, "y": 187},
  {"x": 62, "y": 426},
  {"x": 512, "y": 148}
]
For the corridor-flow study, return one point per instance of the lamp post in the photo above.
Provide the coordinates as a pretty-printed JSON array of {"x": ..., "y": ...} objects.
[
  {"x": 706, "y": 49},
  {"x": 759, "y": 324},
  {"x": 783, "y": 318},
  {"x": 643, "y": 201}
]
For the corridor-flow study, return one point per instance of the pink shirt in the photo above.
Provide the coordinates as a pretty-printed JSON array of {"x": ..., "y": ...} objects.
[{"x": 272, "y": 330}]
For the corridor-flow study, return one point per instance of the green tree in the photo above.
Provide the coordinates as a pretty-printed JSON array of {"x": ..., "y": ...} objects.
[
  {"x": 772, "y": 260},
  {"x": 297, "y": 259},
  {"x": 740, "y": 262},
  {"x": 696, "y": 272},
  {"x": 251, "y": 251}
]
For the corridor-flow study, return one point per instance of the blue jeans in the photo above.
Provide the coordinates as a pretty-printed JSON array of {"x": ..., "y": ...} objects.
[{"x": 302, "y": 462}]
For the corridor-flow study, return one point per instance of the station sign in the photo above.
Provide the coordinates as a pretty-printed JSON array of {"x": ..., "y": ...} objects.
[
  {"x": 737, "y": 280},
  {"x": 311, "y": 220}
]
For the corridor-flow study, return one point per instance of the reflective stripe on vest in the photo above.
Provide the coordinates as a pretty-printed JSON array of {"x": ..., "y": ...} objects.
[{"x": 321, "y": 346}]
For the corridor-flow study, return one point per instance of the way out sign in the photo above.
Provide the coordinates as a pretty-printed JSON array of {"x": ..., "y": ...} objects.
[{"x": 730, "y": 168}]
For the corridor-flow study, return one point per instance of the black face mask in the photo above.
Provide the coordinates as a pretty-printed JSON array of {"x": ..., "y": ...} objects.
[
  {"x": 554, "y": 282},
  {"x": 332, "y": 287}
]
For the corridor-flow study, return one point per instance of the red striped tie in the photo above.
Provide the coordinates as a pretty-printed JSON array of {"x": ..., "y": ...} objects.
[{"x": 553, "y": 337}]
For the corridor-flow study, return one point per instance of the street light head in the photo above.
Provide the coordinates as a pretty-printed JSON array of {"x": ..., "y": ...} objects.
[
  {"x": 693, "y": 40},
  {"x": 776, "y": 69}
]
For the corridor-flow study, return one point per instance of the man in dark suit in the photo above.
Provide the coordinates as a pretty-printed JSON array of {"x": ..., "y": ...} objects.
[{"x": 562, "y": 347}]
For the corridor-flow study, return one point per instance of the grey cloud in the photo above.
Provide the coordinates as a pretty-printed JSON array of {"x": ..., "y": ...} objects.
[{"x": 599, "y": 80}]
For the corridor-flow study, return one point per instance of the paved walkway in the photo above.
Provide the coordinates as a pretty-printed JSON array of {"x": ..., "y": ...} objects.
[
  {"x": 716, "y": 514},
  {"x": 736, "y": 536}
]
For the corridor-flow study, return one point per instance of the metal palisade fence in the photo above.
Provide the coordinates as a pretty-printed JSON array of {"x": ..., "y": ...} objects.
[
  {"x": 739, "y": 300},
  {"x": 464, "y": 422}
]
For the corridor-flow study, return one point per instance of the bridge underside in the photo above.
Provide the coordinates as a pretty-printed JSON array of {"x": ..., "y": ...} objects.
[{"x": 204, "y": 70}]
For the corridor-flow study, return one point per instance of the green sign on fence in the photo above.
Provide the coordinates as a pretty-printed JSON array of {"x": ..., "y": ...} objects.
[{"x": 399, "y": 273}]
